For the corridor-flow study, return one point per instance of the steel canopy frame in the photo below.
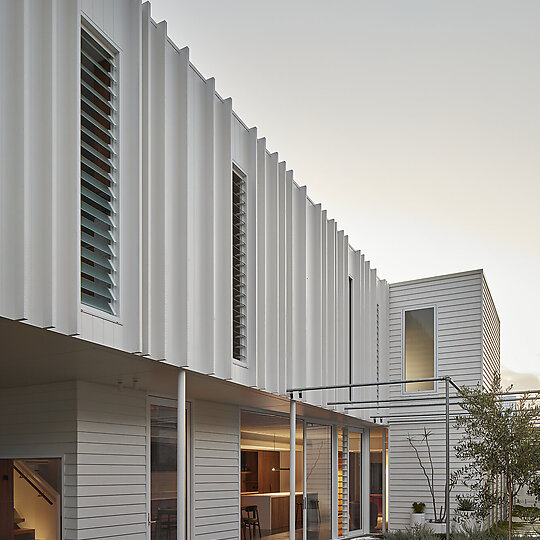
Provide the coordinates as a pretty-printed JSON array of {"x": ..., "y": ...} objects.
[{"x": 447, "y": 380}]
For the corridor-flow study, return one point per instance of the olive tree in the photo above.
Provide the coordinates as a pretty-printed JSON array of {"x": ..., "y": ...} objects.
[{"x": 501, "y": 439}]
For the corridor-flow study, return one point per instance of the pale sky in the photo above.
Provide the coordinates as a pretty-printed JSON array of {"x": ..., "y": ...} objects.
[{"x": 415, "y": 123}]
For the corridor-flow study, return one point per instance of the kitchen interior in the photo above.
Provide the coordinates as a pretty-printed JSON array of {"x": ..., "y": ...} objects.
[{"x": 264, "y": 473}]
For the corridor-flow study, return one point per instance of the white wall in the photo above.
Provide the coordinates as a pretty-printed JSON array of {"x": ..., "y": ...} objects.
[
  {"x": 40, "y": 421},
  {"x": 110, "y": 487},
  {"x": 100, "y": 434},
  {"x": 459, "y": 327},
  {"x": 216, "y": 471}
]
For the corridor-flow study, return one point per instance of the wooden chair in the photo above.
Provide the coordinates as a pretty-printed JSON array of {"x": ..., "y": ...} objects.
[
  {"x": 252, "y": 520},
  {"x": 166, "y": 523},
  {"x": 299, "y": 514}
]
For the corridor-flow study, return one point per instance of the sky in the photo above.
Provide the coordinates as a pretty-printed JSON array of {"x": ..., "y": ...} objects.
[{"x": 415, "y": 123}]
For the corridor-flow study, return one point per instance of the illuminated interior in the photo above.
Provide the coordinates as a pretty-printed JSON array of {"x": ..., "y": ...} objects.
[{"x": 33, "y": 488}]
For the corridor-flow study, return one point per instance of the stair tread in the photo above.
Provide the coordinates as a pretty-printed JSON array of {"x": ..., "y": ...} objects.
[{"x": 18, "y": 520}]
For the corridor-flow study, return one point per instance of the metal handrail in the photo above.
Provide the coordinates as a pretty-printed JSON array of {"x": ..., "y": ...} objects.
[{"x": 33, "y": 485}]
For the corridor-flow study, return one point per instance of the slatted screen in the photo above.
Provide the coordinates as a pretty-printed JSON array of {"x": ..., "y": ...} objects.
[
  {"x": 98, "y": 175},
  {"x": 239, "y": 266}
]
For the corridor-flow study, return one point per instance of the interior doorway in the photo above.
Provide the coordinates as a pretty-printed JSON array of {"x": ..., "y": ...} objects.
[{"x": 30, "y": 498}]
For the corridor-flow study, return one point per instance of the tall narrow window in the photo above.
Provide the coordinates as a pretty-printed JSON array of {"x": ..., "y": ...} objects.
[
  {"x": 98, "y": 175},
  {"x": 420, "y": 348},
  {"x": 239, "y": 267},
  {"x": 350, "y": 337},
  {"x": 378, "y": 355}
]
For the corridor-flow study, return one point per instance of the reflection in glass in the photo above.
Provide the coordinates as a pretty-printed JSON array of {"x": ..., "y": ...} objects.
[
  {"x": 419, "y": 348},
  {"x": 318, "y": 481},
  {"x": 375, "y": 479},
  {"x": 355, "y": 481},
  {"x": 163, "y": 443}
]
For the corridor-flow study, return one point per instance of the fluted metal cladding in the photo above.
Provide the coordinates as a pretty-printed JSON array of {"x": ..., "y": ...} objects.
[{"x": 124, "y": 189}]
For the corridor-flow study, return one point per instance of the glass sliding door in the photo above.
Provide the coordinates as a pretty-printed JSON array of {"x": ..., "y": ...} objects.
[
  {"x": 376, "y": 499},
  {"x": 318, "y": 470},
  {"x": 355, "y": 481},
  {"x": 163, "y": 445},
  {"x": 265, "y": 476},
  {"x": 163, "y": 470}
]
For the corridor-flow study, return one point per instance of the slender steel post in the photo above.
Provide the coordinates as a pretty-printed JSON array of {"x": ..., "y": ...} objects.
[
  {"x": 292, "y": 471},
  {"x": 447, "y": 490},
  {"x": 181, "y": 458}
]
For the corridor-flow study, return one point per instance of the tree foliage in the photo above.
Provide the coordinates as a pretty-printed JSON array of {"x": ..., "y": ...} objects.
[{"x": 501, "y": 441}]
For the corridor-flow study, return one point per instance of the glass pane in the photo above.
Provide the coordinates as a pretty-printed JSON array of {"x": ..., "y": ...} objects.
[
  {"x": 419, "y": 348},
  {"x": 318, "y": 481},
  {"x": 265, "y": 474},
  {"x": 375, "y": 480},
  {"x": 342, "y": 480},
  {"x": 163, "y": 426},
  {"x": 355, "y": 481}
]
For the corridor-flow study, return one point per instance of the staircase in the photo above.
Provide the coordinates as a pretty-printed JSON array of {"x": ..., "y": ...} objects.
[
  {"x": 19, "y": 531},
  {"x": 24, "y": 534}
]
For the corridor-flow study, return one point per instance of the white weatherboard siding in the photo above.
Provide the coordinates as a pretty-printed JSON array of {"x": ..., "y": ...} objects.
[
  {"x": 407, "y": 483},
  {"x": 110, "y": 488},
  {"x": 457, "y": 300},
  {"x": 216, "y": 471},
  {"x": 40, "y": 421},
  {"x": 100, "y": 434},
  {"x": 491, "y": 337}
]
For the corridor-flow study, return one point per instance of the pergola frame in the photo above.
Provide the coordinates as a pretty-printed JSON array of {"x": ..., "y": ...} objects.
[{"x": 447, "y": 380}]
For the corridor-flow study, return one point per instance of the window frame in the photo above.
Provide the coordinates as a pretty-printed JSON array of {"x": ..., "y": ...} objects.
[
  {"x": 110, "y": 47},
  {"x": 404, "y": 392},
  {"x": 236, "y": 169}
]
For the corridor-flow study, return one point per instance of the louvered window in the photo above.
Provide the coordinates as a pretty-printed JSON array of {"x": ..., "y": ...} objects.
[
  {"x": 98, "y": 175},
  {"x": 239, "y": 266}
]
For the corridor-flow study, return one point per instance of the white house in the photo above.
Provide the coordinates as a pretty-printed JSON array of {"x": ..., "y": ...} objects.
[{"x": 156, "y": 256}]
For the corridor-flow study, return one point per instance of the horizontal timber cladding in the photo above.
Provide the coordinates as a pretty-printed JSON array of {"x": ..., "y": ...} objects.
[
  {"x": 458, "y": 303},
  {"x": 38, "y": 422},
  {"x": 110, "y": 487},
  {"x": 407, "y": 483},
  {"x": 491, "y": 337},
  {"x": 216, "y": 469},
  {"x": 100, "y": 434}
]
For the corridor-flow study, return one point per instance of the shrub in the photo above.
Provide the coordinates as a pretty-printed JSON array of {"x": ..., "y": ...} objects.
[
  {"x": 418, "y": 507},
  {"x": 465, "y": 504},
  {"x": 418, "y": 533},
  {"x": 423, "y": 533}
]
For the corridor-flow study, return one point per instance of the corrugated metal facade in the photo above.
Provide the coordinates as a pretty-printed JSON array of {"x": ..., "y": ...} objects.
[{"x": 177, "y": 143}]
